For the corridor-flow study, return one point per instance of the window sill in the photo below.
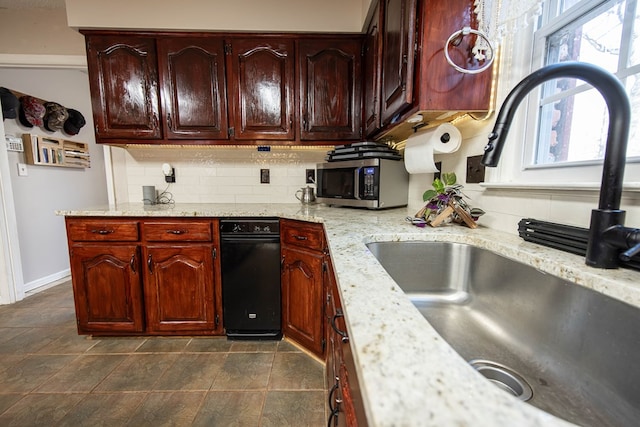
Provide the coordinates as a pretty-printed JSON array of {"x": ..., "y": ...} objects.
[{"x": 633, "y": 187}]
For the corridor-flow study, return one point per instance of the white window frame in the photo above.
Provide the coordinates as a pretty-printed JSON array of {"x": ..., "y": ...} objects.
[{"x": 521, "y": 172}]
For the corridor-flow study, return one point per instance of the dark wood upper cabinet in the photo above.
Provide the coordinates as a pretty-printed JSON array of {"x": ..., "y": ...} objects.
[
  {"x": 371, "y": 79},
  {"x": 398, "y": 55},
  {"x": 192, "y": 76},
  {"x": 330, "y": 89},
  {"x": 123, "y": 78},
  {"x": 262, "y": 88}
]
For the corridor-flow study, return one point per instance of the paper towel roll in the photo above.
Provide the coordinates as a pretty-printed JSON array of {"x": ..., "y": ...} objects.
[{"x": 420, "y": 147}]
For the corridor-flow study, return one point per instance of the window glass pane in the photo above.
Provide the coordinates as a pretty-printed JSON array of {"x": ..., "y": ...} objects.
[
  {"x": 594, "y": 38},
  {"x": 633, "y": 89},
  {"x": 634, "y": 53},
  {"x": 567, "y": 4},
  {"x": 573, "y": 129}
]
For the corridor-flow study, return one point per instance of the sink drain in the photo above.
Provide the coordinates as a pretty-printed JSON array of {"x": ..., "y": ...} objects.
[{"x": 505, "y": 378}]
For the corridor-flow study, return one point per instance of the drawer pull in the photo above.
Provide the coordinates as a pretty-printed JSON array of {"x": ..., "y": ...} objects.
[
  {"x": 177, "y": 232},
  {"x": 102, "y": 232},
  {"x": 300, "y": 237},
  {"x": 150, "y": 264}
]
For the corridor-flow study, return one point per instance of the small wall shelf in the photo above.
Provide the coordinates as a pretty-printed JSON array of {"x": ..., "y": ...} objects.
[{"x": 46, "y": 151}]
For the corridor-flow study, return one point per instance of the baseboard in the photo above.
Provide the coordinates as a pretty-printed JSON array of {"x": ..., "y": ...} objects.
[{"x": 47, "y": 282}]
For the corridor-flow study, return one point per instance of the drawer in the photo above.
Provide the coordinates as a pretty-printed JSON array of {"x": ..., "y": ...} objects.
[
  {"x": 308, "y": 236},
  {"x": 173, "y": 231},
  {"x": 102, "y": 230}
]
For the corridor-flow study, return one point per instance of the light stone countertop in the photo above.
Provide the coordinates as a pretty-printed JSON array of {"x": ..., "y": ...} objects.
[{"x": 408, "y": 375}]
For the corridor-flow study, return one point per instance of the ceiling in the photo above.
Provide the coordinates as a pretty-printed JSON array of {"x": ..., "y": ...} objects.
[{"x": 32, "y": 4}]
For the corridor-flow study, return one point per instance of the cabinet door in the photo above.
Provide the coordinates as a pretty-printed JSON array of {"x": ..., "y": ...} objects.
[
  {"x": 193, "y": 88},
  {"x": 107, "y": 288},
  {"x": 261, "y": 88},
  {"x": 398, "y": 58},
  {"x": 330, "y": 89},
  {"x": 371, "y": 80},
  {"x": 179, "y": 288},
  {"x": 302, "y": 298},
  {"x": 123, "y": 75}
]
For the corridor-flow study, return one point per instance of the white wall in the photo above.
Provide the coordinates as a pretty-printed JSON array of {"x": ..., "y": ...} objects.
[{"x": 41, "y": 234}]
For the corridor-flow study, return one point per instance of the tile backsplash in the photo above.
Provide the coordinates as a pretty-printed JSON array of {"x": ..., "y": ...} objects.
[{"x": 214, "y": 174}]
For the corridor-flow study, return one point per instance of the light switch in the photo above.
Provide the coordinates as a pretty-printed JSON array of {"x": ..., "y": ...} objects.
[{"x": 22, "y": 169}]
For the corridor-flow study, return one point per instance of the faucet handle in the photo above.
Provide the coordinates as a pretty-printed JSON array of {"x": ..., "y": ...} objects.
[{"x": 629, "y": 253}]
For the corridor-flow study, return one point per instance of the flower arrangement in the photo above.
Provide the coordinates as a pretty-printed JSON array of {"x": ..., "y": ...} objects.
[{"x": 446, "y": 202}]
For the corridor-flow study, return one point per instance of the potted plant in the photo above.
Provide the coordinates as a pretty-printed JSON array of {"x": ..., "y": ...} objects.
[{"x": 446, "y": 203}]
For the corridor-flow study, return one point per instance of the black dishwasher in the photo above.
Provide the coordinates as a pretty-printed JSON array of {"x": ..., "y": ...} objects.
[{"x": 250, "y": 269}]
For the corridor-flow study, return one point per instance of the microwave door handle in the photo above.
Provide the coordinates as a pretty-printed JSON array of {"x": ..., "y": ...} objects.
[{"x": 356, "y": 183}]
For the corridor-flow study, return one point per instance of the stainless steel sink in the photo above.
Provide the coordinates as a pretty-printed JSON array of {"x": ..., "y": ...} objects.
[{"x": 562, "y": 347}]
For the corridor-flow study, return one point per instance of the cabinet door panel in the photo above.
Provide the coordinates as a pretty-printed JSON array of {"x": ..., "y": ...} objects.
[
  {"x": 179, "y": 287},
  {"x": 123, "y": 76},
  {"x": 398, "y": 57},
  {"x": 107, "y": 289},
  {"x": 262, "y": 89},
  {"x": 303, "y": 298},
  {"x": 371, "y": 80},
  {"x": 330, "y": 89},
  {"x": 193, "y": 88}
]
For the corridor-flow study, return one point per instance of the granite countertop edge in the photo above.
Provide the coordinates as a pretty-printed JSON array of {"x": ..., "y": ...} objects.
[{"x": 408, "y": 374}]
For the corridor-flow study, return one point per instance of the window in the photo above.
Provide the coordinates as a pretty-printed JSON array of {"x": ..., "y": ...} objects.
[{"x": 570, "y": 117}]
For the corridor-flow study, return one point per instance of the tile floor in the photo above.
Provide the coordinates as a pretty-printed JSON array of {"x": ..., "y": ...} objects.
[{"x": 51, "y": 376}]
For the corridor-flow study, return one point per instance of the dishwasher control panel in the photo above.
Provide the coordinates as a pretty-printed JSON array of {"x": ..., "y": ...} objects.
[{"x": 259, "y": 226}]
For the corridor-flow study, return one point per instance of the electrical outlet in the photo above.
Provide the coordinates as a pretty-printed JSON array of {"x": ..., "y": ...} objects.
[
  {"x": 264, "y": 176},
  {"x": 475, "y": 170},
  {"x": 310, "y": 176},
  {"x": 22, "y": 169}
]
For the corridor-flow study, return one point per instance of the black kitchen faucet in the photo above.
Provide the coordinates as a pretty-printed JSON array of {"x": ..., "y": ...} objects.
[{"x": 609, "y": 240}]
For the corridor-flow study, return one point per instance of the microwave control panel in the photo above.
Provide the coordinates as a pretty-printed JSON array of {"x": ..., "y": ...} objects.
[{"x": 369, "y": 184}]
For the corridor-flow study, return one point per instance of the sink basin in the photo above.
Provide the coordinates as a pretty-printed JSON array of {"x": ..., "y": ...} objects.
[{"x": 561, "y": 347}]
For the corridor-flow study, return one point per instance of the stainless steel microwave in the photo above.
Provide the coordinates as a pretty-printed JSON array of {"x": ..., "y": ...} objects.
[{"x": 374, "y": 183}]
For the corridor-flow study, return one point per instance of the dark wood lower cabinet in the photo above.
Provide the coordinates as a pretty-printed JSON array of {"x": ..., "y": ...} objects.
[
  {"x": 179, "y": 288},
  {"x": 345, "y": 400},
  {"x": 145, "y": 276},
  {"x": 107, "y": 288},
  {"x": 302, "y": 287}
]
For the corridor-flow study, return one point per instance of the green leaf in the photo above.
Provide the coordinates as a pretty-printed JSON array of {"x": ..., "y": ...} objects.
[
  {"x": 429, "y": 194},
  {"x": 449, "y": 178},
  {"x": 438, "y": 185}
]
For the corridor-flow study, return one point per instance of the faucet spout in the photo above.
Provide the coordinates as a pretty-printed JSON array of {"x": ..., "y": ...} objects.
[{"x": 600, "y": 253}]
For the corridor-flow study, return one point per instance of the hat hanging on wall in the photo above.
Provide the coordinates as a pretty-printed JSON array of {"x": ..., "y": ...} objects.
[
  {"x": 55, "y": 116},
  {"x": 31, "y": 112},
  {"x": 75, "y": 122},
  {"x": 10, "y": 104}
]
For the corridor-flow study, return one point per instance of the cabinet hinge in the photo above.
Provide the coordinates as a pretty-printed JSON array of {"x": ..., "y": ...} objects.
[
  {"x": 324, "y": 267},
  {"x": 214, "y": 253},
  {"x": 217, "y": 319},
  {"x": 228, "y": 50},
  {"x": 324, "y": 344}
]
